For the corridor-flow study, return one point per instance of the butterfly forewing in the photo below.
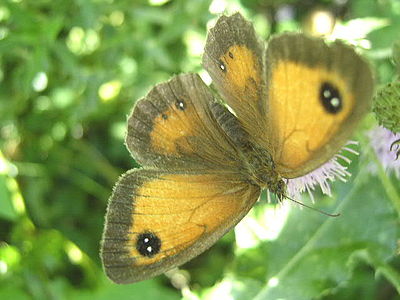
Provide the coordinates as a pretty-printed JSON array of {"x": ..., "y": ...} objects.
[
  {"x": 233, "y": 58},
  {"x": 173, "y": 128}
]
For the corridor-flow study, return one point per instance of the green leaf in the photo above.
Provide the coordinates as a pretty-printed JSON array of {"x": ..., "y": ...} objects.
[
  {"x": 150, "y": 289},
  {"x": 13, "y": 292},
  {"x": 383, "y": 38},
  {"x": 396, "y": 55},
  {"x": 7, "y": 210},
  {"x": 312, "y": 258},
  {"x": 238, "y": 289}
]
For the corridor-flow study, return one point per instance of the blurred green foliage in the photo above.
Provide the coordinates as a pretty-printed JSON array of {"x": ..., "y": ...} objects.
[{"x": 70, "y": 72}]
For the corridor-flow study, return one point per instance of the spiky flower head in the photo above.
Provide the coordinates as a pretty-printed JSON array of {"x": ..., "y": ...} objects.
[
  {"x": 386, "y": 106},
  {"x": 322, "y": 176}
]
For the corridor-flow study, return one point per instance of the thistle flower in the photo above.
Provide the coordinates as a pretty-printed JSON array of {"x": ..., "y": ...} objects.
[
  {"x": 386, "y": 106},
  {"x": 381, "y": 140},
  {"x": 322, "y": 176}
]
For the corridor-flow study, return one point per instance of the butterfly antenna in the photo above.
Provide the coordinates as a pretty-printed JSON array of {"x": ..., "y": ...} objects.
[
  {"x": 312, "y": 208},
  {"x": 397, "y": 144}
]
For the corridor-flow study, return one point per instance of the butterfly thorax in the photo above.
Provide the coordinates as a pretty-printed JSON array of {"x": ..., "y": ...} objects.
[{"x": 260, "y": 169}]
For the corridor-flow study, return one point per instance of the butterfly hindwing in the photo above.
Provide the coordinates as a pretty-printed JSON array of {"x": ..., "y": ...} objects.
[
  {"x": 317, "y": 94},
  {"x": 156, "y": 220}
]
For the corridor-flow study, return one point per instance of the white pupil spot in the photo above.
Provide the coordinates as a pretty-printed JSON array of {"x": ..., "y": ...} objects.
[
  {"x": 181, "y": 104},
  {"x": 327, "y": 94},
  {"x": 222, "y": 67},
  {"x": 146, "y": 240},
  {"x": 149, "y": 249},
  {"x": 335, "y": 102}
]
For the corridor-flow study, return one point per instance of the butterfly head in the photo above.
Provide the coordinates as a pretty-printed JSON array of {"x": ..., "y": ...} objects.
[
  {"x": 274, "y": 183},
  {"x": 279, "y": 189}
]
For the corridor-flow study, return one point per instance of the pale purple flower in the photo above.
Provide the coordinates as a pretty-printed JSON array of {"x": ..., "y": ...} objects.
[
  {"x": 381, "y": 140},
  {"x": 322, "y": 176}
]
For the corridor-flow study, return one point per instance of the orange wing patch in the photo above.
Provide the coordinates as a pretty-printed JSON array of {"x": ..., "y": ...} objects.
[
  {"x": 172, "y": 128},
  {"x": 240, "y": 82},
  {"x": 296, "y": 111},
  {"x": 168, "y": 219},
  {"x": 182, "y": 208},
  {"x": 241, "y": 70}
]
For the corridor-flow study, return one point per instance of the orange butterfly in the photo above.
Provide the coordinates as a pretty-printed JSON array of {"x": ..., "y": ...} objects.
[{"x": 296, "y": 103}]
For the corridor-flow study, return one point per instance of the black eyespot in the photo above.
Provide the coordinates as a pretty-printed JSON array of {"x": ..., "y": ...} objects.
[
  {"x": 230, "y": 54},
  {"x": 148, "y": 244},
  {"x": 164, "y": 116},
  {"x": 222, "y": 66},
  {"x": 180, "y": 104},
  {"x": 330, "y": 98}
]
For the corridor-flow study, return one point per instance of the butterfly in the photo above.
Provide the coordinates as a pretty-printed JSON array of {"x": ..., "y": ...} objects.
[{"x": 295, "y": 103}]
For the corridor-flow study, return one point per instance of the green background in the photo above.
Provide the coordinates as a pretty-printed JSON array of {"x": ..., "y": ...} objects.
[{"x": 70, "y": 72}]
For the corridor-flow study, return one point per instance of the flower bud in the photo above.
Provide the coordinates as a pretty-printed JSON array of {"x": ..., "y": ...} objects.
[{"x": 386, "y": 106}]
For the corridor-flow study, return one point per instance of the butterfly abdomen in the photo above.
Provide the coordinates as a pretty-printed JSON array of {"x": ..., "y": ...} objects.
[{"x": 230, "y": 124}]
